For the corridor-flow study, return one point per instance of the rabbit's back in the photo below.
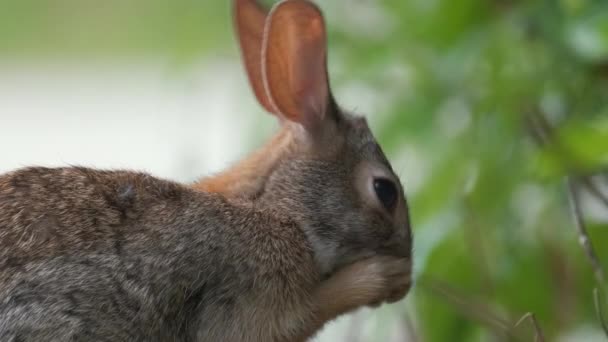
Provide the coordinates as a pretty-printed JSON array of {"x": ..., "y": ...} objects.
[
  {"x": 65, "y": 268},
  {"x": 96, "y": 255},
  {"x": 70, "y": 211}
]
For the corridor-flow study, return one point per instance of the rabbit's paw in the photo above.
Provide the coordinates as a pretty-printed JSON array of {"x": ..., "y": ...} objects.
[{"x": 387, "y": 279}]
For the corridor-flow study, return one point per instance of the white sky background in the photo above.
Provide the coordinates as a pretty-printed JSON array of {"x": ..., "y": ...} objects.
[{"x": 126, "y": 116}]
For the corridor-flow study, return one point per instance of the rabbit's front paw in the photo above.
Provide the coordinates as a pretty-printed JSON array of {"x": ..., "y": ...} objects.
[
  {"x": 389, "y": 279},
  {"x": 369, "y": 282}
]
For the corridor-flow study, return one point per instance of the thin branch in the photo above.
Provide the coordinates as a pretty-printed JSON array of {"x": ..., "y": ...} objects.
[
  {"x": 466, "y": 305},
  {"x": 598, "y": 310},
  {"x": 583, "y": 236},
  {"x": 542, "y": 133},
  {"x": 538, "y": 332},
  {"x": 593, "y": 190},
  {"x": 535, "y": 130}
]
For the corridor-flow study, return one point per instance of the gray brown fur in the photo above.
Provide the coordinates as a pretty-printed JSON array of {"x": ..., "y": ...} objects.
[{"x": 121, "y": 256}]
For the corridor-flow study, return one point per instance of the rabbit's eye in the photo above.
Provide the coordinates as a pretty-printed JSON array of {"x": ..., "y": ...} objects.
[{"x": 386, "y": 192}]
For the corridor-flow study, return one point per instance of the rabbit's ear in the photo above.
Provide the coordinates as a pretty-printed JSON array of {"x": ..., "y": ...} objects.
[
  {"x": 295, "y": 62},
  {"x": 249, "y": 20}
]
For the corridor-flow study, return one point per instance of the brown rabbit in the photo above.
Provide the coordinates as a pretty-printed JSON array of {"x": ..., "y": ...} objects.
[{"x": 312, "y": 226}]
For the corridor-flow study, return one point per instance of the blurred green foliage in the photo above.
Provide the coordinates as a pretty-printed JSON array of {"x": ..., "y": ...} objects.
[{"x": 499, "y": 99}]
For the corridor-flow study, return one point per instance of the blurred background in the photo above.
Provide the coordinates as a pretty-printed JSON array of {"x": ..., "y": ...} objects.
[{"x": 493, "y": 112}]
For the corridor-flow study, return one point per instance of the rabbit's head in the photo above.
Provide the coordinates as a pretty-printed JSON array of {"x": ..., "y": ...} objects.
[{"x": 333, "y": 177}]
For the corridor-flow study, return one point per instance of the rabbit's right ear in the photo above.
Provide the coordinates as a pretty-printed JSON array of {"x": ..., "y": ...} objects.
[
  {"x": 294, "y": 63},
  {"x": 250, "y": 19}
]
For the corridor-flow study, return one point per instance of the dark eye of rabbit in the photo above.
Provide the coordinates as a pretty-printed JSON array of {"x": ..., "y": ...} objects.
[{"x": 386, "y": 192}]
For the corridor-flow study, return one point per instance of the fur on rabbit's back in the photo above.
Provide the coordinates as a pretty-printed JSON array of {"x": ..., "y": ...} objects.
[
  {"x": 95, "y": 255},
  {"x": 46, "y": 212}
]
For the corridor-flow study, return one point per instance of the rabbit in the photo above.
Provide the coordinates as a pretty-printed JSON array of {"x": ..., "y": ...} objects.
[{"x": 312, "y": 226}]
